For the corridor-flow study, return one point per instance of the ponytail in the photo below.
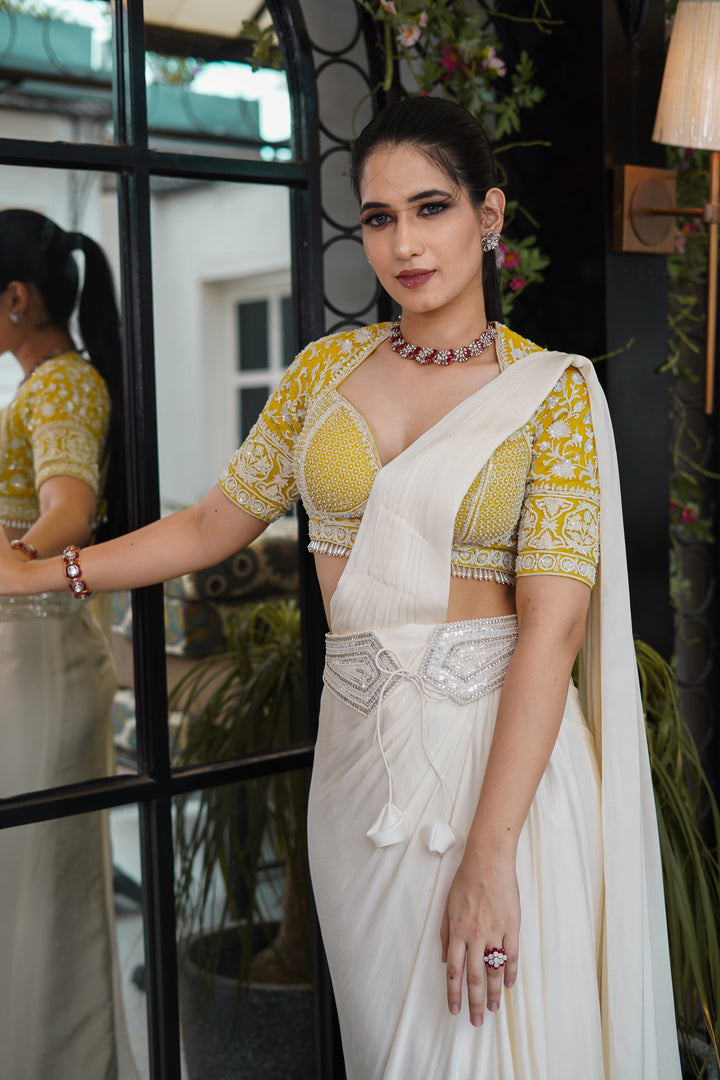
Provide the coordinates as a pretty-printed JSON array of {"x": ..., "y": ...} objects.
[{"x": 99, "y": 324}]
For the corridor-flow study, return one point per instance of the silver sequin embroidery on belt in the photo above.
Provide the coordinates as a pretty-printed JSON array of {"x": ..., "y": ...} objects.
[{"x": 463, "y": 661}]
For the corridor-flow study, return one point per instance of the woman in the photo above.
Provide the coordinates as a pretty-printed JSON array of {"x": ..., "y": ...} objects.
[
  {"x": 453, "y": 495},
  {"x": 59, "y": 1000}
]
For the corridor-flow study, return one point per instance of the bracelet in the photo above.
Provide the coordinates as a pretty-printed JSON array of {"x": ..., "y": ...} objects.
[
  {"x": 28, "y": 549},
  {"x": 73, "y": 573}
]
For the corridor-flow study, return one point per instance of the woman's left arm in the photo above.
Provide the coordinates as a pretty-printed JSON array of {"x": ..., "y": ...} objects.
[
  {"x": 483, "y": 908},
  {"x": 67, "y": 514}
]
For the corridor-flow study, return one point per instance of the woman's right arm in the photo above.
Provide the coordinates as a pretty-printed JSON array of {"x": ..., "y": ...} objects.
[{"x": 189, "y": 540}]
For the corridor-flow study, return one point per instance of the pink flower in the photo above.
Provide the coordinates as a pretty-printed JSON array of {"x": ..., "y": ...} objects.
[
  {"x": 493, "y": 61},
  {"x": 674, "y": 505},
  {"x": 388, "y": 6},
  {"x": 680, "y": 239},
  {"x": 512, "y": 258},
  {"x": 516, "y": 283},
  {"x": 449, "y": 60},
  {"x": 422, "y": 21},
  {"x": 408, "y": 35},
  {"x": 688, "y": 516}
]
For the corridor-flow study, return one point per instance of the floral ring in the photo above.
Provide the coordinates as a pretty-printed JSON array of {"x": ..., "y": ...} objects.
[{"x": 495, "y": 958}]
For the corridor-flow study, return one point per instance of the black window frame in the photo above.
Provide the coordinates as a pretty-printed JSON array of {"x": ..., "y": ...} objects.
[{"x": 156, "y": 784}]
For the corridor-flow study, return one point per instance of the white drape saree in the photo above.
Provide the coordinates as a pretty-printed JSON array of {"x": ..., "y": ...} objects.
[{"x": 593, "y": 996}]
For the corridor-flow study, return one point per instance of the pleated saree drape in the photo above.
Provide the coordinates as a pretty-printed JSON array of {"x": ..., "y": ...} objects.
[{"x": 593, "y": 996}]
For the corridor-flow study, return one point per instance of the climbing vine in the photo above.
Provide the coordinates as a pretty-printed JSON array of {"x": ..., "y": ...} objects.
[{"x": 690, "y": 512}]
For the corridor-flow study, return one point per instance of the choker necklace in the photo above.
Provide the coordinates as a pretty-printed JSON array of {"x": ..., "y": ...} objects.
[{"x": 440, "y": 356}]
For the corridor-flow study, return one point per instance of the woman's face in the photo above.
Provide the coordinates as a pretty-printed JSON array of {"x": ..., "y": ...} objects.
[{"x": 420, "y": 231}]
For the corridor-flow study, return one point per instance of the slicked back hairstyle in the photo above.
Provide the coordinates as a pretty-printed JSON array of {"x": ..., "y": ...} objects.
[{"x": 454, "y": 141}]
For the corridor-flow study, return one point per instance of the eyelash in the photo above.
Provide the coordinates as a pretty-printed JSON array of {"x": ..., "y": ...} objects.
[{"x": 371, "y": 221}]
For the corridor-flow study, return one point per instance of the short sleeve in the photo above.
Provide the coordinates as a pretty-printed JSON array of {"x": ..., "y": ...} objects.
[
  {"x": 67, "y": 414},
  {"x": 260, "y": 476},
  {"x": 559, "y": 524}
]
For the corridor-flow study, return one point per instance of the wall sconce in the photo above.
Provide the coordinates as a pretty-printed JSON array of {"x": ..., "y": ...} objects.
[{"x": 688, "y": 115}]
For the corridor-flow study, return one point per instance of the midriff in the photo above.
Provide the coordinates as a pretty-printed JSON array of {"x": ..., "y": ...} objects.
[{"x": 468, "y": 599}]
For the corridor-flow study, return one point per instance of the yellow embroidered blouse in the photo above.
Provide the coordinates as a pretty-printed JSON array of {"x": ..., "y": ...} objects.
[
  {"x": 56, "y": 425},
  {"x": 532, "y": 509}
]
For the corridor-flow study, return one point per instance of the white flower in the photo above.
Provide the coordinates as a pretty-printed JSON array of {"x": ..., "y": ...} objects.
[
  {"x": 563, "y": 468},
  {"x": 559, "y": 429},
  {"x": 408, "y": 35}
]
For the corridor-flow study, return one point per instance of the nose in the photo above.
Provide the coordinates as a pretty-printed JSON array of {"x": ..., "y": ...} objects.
[{"x": 408, "y": 242}]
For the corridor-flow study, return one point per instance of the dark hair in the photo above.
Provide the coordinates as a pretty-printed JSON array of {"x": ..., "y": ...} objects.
[
  {"x": 34, "y": 250},
  {"x": 453, "y": 139}
]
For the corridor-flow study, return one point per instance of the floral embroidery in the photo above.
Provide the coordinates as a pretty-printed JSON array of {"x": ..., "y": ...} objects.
[
  {"x": 56, "y": 425},
  {"x": 533, "y": 508}
]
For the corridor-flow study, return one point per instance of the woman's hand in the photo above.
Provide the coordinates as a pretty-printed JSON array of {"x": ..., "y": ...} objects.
[
  {"x": 12, "y": 568},
  {"x": 482, "y": 912}
]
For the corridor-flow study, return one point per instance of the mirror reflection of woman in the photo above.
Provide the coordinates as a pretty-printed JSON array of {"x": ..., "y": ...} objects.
[
  {"x": 483, "y": 850},
  {"x": 59, "y": 1000}
]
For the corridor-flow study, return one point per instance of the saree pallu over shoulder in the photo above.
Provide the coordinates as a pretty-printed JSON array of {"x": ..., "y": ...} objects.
[{"x": 399, "y": 573}]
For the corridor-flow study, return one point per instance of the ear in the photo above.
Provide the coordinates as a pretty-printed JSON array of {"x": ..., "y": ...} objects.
[
  {"x": 18, "y": 297},
  {"x": 492, "y": 211}
]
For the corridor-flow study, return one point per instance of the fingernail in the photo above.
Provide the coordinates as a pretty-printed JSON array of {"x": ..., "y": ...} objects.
[
  {"x": 476, "y": 1020},
  {"x": 454, "y": 1009},
  {"x": 509, "y": 984},
  {"x": 493, "y": 1006}
]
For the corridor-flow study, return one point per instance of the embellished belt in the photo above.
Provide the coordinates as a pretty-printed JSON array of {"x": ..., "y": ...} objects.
[
  {"x": 40, "y": 605},
  {"x": 463, "y": 661}
]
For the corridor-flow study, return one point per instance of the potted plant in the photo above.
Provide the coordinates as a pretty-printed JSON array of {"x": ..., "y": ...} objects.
[
  {"x": 689, "y": 828},
  {"x": 242, "y": 884}
]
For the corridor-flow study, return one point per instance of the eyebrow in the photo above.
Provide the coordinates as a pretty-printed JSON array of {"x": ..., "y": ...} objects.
[{"x": 431, "y": 192}]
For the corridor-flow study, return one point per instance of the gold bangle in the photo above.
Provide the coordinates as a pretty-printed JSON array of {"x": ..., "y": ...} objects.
[
  {"x": 27, "y": 549},
  {"x": 73, "y": 572}
]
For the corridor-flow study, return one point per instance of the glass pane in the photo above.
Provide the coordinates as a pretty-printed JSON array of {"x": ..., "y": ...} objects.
[
  {"x": 202, "y": 94},
  {"x": 253, "y": 339},
  {"x": 54, "y": 651},
  {"x": 202, "y": 274},
  {"x": 252, "y": 400},
  {"x": 129, "y": 930},
  {"x": 67, "y": 1000},
  {"x": 289, "y": 340},
  {"x": 57, "y": 71},
  {"x": 242, "y": 890},
  {"x": 202, "y": 271}
]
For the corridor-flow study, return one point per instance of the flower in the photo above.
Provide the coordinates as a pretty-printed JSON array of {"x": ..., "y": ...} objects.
[
  {"x": 388, "y": 6},
  {"x": 449, "y": 60},
  {"x": 516, "y": 284},
  {"x": 493, "y": 62},
  {"x": 688, "y": 516},
  {"x": 423, "y": 20},
  {"x": 512, "y": 258},
  {"x": 680, "y": 239},
  {"x": 408, "y": 35}
]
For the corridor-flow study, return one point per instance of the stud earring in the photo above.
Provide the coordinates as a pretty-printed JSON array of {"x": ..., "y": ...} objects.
[
  {"x": 490, "y": 241},
  {"x": 16, "y": 318}
]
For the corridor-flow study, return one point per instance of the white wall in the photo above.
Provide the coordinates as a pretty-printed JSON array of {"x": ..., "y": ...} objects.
[{"x": 219, "y": 234}]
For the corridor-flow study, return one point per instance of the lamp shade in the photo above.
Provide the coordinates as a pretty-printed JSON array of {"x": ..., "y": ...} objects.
[{"x": 689, "y": 108}]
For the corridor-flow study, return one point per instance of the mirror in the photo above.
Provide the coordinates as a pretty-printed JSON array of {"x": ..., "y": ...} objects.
[
  {"x": 69, "y": 944},
  {"x": 56, "y": 70}
]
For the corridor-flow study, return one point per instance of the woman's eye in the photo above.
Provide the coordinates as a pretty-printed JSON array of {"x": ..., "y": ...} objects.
[
  {"x": 429, "y": 209},
  {"x": 375, "y": 219}
]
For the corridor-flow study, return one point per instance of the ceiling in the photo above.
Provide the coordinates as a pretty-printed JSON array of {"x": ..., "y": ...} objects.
[{"x": 218, "y": 17}]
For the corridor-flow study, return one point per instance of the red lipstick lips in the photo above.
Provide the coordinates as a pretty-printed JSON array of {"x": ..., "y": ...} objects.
[{"x": 413, "y": 279}]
